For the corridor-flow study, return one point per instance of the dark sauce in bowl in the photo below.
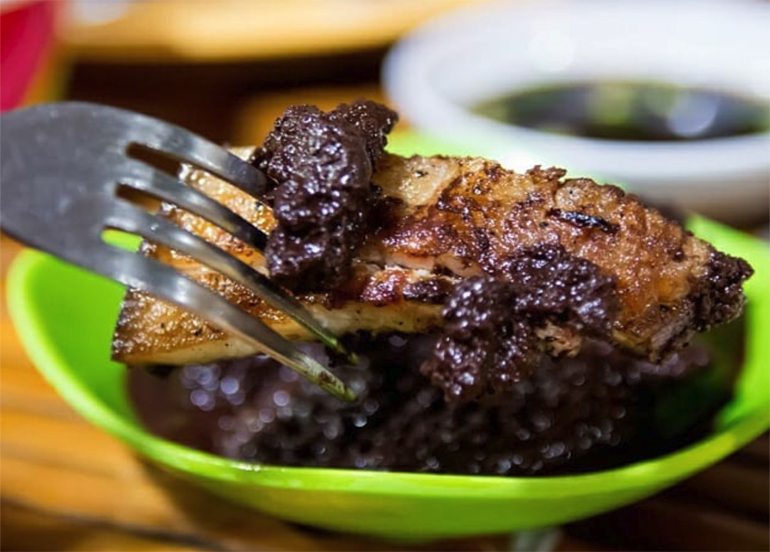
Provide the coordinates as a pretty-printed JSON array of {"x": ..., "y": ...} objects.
[
  {"x": 599, "y": 410},
  {"x": 637, "y": 111}
]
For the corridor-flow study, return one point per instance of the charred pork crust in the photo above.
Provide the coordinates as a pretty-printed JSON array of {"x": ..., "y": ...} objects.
[
  {"x": 322, "y": 164},
  {"x": 583, "y": 220},
  {"x": 719, "y": 295},
  {"x": 489, "y": 340},
  {"x": 670, "y": 285}
]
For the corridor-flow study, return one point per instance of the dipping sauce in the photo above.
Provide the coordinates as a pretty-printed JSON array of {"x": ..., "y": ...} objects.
[
  {"x": 636, "y": 111},
  {"x": 598, "y": 410}
]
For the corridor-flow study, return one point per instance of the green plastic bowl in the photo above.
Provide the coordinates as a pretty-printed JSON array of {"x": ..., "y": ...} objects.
[{"x": 65, "y": 318}]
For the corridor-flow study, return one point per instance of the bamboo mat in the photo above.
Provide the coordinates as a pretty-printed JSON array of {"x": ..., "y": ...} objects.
[{"x": 65, "y": 485}]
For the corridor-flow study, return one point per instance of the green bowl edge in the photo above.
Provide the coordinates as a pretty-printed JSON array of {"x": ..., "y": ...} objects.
[{"x": 654, "y": 473}]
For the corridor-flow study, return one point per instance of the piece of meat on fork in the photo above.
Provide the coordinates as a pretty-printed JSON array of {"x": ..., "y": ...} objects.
[{"x": 648, "y": 285}]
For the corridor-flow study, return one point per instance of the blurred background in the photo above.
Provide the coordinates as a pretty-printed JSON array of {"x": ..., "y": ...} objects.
[
  {"x": 226, "y": 69},
  {"x": 640, "y": 86}
]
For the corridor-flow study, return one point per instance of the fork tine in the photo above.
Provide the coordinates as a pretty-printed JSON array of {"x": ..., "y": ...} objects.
[
  {"x": 152, "y": 276},
  {"x": 194, "y": 201},
  {"x": 187, "y": 147},
  {"x": 62, "y": 199},
  {"x": 190, "y": 148},
  {"x": 172, "y": 191},
  {"x": 128, "y": 218}
]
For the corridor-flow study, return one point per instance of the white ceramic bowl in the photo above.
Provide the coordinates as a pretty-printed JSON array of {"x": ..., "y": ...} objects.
[{"x": 435, "y": 74}]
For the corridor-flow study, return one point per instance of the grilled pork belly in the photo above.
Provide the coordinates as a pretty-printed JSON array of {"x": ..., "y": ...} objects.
[{"x": 438, "y": 221}]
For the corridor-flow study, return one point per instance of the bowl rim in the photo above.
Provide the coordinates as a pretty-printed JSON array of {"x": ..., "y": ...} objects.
[{"x": 652, "y": 473}]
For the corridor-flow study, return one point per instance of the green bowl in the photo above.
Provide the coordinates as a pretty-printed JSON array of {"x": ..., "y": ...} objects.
[{"x": 65, "y": 318}]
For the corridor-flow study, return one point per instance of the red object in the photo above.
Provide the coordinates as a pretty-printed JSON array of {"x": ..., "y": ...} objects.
[{"x": 26, "y": 38}]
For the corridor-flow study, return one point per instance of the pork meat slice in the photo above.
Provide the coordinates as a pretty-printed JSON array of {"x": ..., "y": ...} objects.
[{"x": 436, "y": 222}]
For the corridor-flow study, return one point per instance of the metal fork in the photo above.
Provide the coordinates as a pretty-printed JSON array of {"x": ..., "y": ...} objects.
[{"x": 62, "y": 165}]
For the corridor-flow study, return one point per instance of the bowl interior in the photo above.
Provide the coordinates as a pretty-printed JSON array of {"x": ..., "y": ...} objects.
[{"x": 67, "y": 332}]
